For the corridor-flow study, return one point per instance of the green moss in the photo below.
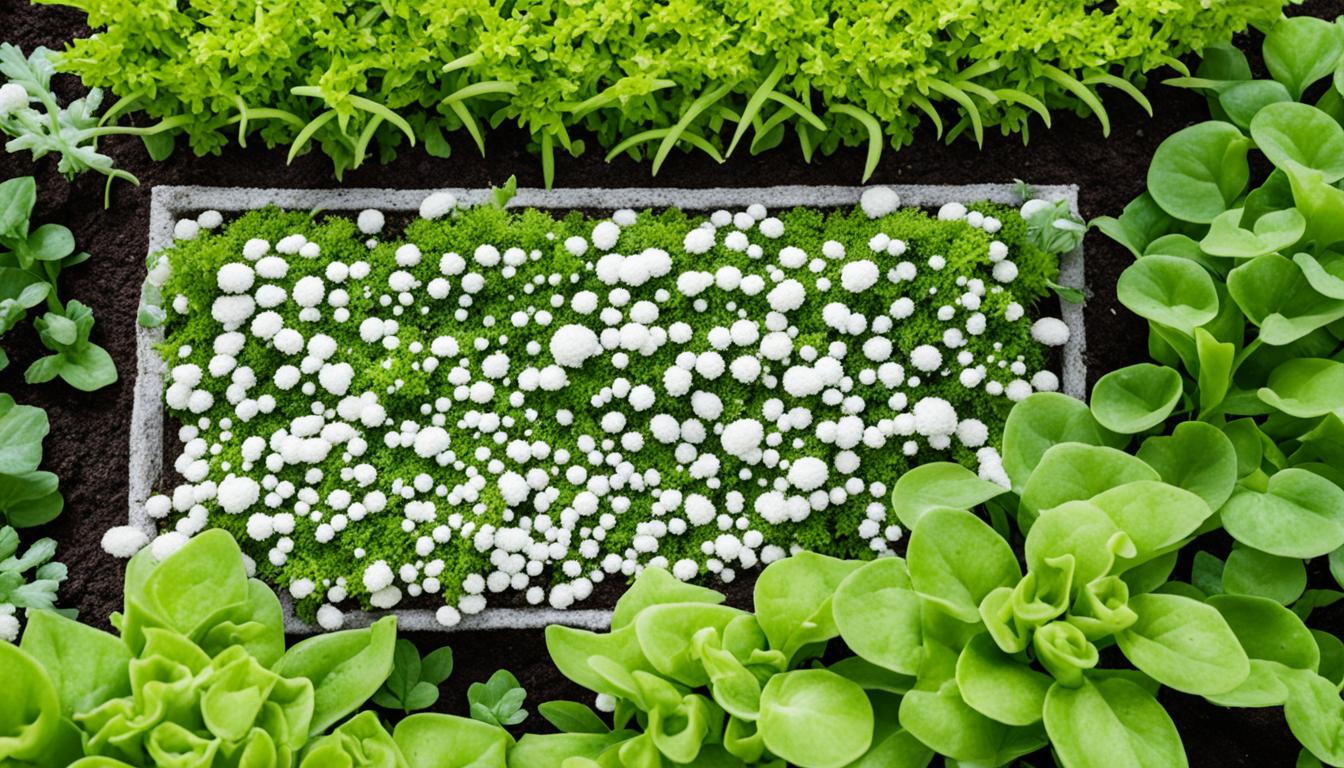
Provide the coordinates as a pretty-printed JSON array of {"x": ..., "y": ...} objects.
[{"x": 402, "y": 386}]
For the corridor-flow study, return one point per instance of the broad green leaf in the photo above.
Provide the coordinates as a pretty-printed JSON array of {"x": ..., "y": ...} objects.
[
  {"x": 955, "y": 560},
  {"x": 1077, "y": 472},
  {"x": 655, "y": 586},
  {"x": 1080, "y": 530},
  {"x": 1324, "y": 272},
  {"x": 1300, "y": 514},
  {"x": 939, "y": 485},
  {"x": 572, "y": 717},
  {"x": 1241, "y": 101},
  {"x": 1111, "y": 723},
  {"x": 30, "y": 712},
  {"x": 665, "y": 636},
  {"x": 1293, "y": 133},
  {"x": 1269, "y": 631},
  {"x": 1041, "y": 421},
  {"x": 1301, "y": 50},
  {"x": 1320, "y": 202},
  {"x": 942, "y": 720},
  {"x": 1276, "y": 296},
  {"x": 1064, "y": 650},
  {"x": 573, "y": 651},
  {"x": 22, "y": 428},
  {"x": 1274, "y": 231},
  {"x": 445, "y": 741},
  {"x": 17, "y": 197},
  {"x": 1156, "y": 516},
  {"x": 1136, "y": 398},
  {"x": 345, "y": 668},
  {"x": 86, "y": 666},
  {"x": 1184, "y": 644},
  {"x": 878, "y": 614},
  {"x": 1252, "y": 572},
  {"x": 793, "y": 600},
  {"x": 1306, "y": 387},
  {"x": 1197, "y": 457},
  {"x": 1169, "y": 290},
  {"x": 49, "y": 242},
  {"x": 1315, "y": 715},
  {"x": 998, "y": 686},
  {"x": 1197, "y": 172},
  {"x": 816, "y": 718}
]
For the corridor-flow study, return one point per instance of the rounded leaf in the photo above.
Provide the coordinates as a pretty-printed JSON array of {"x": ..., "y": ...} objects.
[
  {"x": 1169, "y": 290},
  {"x": 1306, "y": 387},
  {"x": 878, "y": 614},
  {"x": 1197, "y": 457},
  {"x": 1041, "y": 422},
  {"x": 998, "y": 686},
  {"x": 1136, "y": 398},
  {"x": 1293, "y": 133},
  {"x": 1110, "y": 723},
  {"x": 1252, "y": 572},
  {"x": 1199, "y": 171},
  {"x": 815, "y": 718},
  {"x": 939, "y": 485},
  {"x": 955, "y": 559},
  {"x": 1183, "y": 644},
  {"x": 1301, "y": 514}
]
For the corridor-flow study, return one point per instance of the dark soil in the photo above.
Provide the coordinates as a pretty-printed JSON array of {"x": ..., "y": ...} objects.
[{"x": 88, "y": 445}]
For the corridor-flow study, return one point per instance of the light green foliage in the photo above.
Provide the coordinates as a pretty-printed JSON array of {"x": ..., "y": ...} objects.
[
  {"x": 1239, "y": 276},
  {"x": 403, "y": 385},
  {"x": 28, "y": 580},
  {"x": 31, "y": 260},
  {"x": 28, "y": 496},
  {"x": 360, "y": 79},
  {"x": 200, "y": 676},
  {"x": 71, "y": 132}
]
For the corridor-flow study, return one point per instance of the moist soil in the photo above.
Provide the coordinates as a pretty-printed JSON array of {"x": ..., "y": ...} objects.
[{"x": 90, "y": 432}]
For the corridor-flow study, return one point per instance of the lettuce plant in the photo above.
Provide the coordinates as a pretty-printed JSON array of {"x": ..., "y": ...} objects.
[
  {"x": 199, "y": 675},
  {"x": 1242, "y": 282},
  {"x": 360, "y": 81},
  {"x": 31, "y": 261}
]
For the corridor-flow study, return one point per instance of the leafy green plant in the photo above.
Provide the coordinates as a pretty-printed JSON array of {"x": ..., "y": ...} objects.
[
  {"x": 70, "y": 132},
  {"x": 28, "y": 496},
  {"x": 692, "y": 75},
  {"x": 499, "y": 700},
  {"x": 31, "y": 261},
  {"x": 200, "y": 675},
  {"x": 414, "y": 682},
  {"x": 17, "y": 591},
  {"x": 1240, "y": 281}
]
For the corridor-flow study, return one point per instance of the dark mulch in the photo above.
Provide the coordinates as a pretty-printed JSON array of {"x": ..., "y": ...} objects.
[{"x": 90, "y": 432}]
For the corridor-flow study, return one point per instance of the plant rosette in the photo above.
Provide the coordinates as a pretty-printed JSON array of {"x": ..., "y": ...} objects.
[
  {"x": 200, "y": 675},
  {"x": 511, "y": 401}
]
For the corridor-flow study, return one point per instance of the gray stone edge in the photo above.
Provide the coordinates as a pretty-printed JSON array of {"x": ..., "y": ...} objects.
[{"x": 168, "y": 203}]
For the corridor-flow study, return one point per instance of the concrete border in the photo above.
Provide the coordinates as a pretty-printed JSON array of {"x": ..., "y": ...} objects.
[{"x": 169, "y": 203}]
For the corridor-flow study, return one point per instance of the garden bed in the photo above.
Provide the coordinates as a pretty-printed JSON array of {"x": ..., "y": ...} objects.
[{"x": 171, "y": 204}]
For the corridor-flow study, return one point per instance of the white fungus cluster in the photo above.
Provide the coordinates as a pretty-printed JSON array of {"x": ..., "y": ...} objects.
[{"x": 601, "y": 416}]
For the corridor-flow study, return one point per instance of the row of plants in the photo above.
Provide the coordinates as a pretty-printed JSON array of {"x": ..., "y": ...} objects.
[
  {"x": 360, "y": 80},
  {"x": 32, "y": 258}
]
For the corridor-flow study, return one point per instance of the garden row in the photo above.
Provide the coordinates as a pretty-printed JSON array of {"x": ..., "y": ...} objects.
[
  {"x": 360, "y": 80},
  {"x": 1042, "y": 598}
]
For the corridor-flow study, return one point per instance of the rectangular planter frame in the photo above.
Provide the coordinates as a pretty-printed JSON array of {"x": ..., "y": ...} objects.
[{"x": 170, "y": 203}]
